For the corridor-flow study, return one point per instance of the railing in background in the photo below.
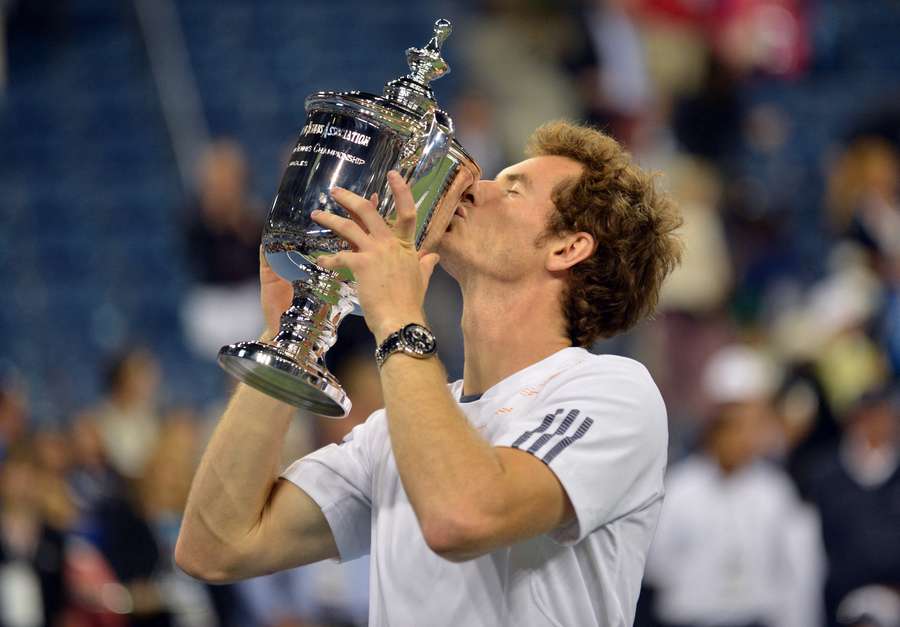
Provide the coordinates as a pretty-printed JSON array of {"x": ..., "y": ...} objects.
[{"x": 176, "y": 85}]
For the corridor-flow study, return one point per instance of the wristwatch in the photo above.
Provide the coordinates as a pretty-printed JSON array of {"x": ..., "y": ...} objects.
[{"x": 413, "y": 339}]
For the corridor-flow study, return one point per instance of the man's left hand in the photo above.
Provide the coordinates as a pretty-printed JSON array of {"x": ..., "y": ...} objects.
[{"x": 391, "y": 275}]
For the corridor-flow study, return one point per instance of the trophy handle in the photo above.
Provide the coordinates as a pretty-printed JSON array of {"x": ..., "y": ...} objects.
[{"x": 434, "y": 146}]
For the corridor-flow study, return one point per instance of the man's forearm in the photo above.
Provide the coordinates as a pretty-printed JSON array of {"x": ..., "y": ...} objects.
[
  {"x": 235, "y": 476},
  {"x": 447, "y": 468}
]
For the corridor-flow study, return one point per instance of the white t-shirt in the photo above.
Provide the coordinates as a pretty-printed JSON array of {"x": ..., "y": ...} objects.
[
  {"x": 736, "y": 549},
  {"x": 598, "y": 422}
]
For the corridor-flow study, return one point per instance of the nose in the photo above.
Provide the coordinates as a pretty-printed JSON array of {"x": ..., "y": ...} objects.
[
  {"x": 468, "y": 196},
  {"x": 474, "y": 194}
]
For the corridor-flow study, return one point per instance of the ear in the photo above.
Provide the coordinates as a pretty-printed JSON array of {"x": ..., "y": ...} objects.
[{"x": 569, "y": 250}]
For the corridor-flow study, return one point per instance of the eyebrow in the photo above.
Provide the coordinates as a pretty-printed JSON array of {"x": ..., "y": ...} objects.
[{"x": 517, "y": 177}]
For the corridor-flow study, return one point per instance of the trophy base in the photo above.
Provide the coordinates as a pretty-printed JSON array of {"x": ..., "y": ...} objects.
[{"x": 305, "y": 385}]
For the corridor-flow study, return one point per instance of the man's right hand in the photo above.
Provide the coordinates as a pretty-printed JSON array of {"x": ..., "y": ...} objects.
[{"x": 275, "y": 295}]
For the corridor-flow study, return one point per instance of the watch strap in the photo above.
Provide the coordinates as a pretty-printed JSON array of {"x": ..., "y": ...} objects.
[{"x": 388, "y": 347}]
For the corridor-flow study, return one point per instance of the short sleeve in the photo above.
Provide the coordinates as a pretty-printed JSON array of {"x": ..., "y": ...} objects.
[
  {"x": 601, "y": 428},
  {"x": 339, "y": 479}
]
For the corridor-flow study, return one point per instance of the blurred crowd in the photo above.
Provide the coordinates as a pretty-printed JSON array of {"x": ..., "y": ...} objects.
[
  {"x": 89, "y": 514},
  {"x": 781, "y": 381}
]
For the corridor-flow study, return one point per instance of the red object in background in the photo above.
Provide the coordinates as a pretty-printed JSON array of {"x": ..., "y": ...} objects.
[
  {"x": 92, "y": 586},
  {"x": 695, "y": 12},
  {"x": 769, "y": 36}
]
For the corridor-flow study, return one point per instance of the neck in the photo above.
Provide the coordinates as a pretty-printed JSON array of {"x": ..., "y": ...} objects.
[{"x": 507, "y": 327}]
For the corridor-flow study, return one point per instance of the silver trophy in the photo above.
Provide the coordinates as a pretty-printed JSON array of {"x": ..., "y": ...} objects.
[{"x": 350, "y": 140}]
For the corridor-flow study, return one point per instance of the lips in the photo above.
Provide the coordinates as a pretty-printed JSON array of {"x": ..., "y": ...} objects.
[{"x": 461, "y": 212}]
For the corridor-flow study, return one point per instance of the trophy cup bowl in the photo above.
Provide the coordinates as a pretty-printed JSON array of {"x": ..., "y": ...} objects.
[{"x": 349, "y": 140}]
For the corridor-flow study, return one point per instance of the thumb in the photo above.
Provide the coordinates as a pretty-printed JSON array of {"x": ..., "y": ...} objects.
[
  {"x": 266, "y": 274},
  {"x": 427, "y": 264}
]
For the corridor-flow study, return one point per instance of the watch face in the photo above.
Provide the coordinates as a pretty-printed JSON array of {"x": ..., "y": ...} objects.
[{"x": 419, "y": 339}]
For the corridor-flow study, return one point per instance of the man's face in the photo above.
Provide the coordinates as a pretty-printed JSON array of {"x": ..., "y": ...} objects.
[{"x": 497, "y": 226}]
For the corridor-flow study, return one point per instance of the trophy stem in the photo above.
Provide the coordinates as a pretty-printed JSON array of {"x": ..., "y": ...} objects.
[
  {"x": 309, "y": 326},
  {"x": 292, "y": 367}
]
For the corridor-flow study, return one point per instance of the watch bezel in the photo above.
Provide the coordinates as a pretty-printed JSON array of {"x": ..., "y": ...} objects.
[{"x": 412, "y": 344}]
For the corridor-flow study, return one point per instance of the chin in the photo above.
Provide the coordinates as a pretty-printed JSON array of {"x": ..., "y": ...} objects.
[
  {"x": 448, "y": 244},
  {"x": 451, "y": 259}
]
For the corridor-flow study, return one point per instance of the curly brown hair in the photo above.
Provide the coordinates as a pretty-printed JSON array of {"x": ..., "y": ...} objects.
[{"x": 632, "y": 223}]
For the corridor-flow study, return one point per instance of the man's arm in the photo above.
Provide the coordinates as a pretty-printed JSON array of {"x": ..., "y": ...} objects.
[
  {"x": 470, "y": 497},
  {"x": 241, "y": 520}
]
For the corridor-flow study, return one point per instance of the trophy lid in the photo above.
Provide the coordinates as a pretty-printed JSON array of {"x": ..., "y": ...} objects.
[{"x": 426, "y": 64}]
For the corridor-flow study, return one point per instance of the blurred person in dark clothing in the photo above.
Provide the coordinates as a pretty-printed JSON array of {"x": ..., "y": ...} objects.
[
  {"x": 807, "y": 418},
  {"x": 129, "y": 546},
  {"x": 735, "y": 546},
  {"x": 856, "y": 486},
  {"x": 222, "y": 245},
  {"x": 111, "y": 520},
  {"x": 32, "y": 591},
  {"x": 224, "y": 229},
  {"x": 91, "y": 476}
]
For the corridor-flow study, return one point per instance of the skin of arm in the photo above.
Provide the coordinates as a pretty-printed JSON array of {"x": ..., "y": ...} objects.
[
  {"x": 469, "y": 497},
  {"x": 240, "y": 519}
]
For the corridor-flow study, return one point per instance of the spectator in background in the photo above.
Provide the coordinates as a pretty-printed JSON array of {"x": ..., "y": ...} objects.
[
  {"x": 91, "y": 477},
  {"x": 53, "y": 461},
  {"x": 223, "y": 233},
  {"x": 856, "y": 486},
  {"x": 127, "y": 417},
  {"x": 622, "y": 91},
  {"x": 97, "y": 598},
  {"x": 864, "y": 201},
  {"x": 735, "y": 546},
  {"x": 117, "y": 562},
  {"x": 222, "y": 240},
  {"x": 31, "y": 549}
]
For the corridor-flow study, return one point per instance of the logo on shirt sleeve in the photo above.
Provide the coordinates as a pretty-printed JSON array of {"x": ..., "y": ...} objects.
[{"x": 554, "y": 434}]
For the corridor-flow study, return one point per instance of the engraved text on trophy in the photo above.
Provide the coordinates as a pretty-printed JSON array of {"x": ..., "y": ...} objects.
[{"x": 333, "y": 149}]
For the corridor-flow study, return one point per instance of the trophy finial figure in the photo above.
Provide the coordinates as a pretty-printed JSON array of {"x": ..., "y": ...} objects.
[
  {"x": 426, "y": 63},
  {"x": 442, "y": 30}
]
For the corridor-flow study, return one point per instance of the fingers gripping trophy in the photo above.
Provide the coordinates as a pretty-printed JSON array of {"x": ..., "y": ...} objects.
[{"x": 349, "y": 140}]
